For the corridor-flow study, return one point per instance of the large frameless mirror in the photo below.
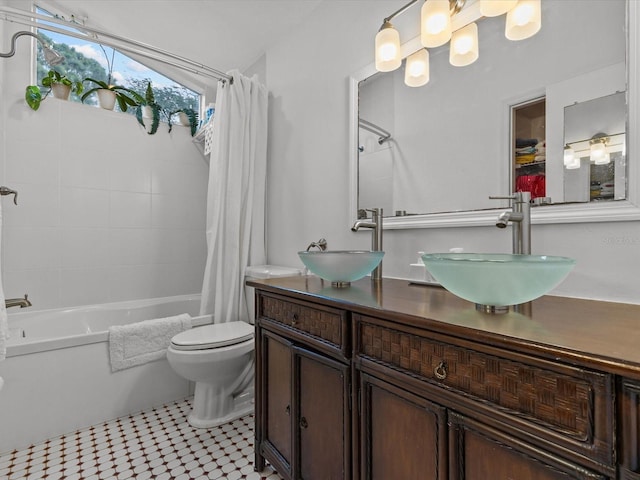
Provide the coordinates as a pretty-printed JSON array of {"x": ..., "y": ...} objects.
[{"x": 432, "y": 155}]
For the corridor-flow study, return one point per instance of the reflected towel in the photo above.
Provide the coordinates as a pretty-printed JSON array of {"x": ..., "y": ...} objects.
[{"x": 143, "y": 342}]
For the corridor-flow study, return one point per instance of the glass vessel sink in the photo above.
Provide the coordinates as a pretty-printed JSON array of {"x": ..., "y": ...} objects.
[
  {"x": 496, "y": 281},
  {"x": 341, "y": 267}
]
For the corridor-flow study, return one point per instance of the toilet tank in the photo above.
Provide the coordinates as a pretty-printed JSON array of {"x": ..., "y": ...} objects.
[{"x": 265, "y": 271}]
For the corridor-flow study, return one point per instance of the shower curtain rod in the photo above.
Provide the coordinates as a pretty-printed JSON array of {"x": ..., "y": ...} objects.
[
  {"x": 22, "y": 17},
  {"x": 373, "y": 128}
]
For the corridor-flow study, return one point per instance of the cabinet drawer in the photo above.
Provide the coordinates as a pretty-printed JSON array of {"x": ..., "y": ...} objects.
[
  {"x": 571, "y": 404},
  {"x": 323, "y": 327}
]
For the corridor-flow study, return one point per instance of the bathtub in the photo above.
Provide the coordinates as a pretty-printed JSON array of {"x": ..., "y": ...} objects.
[{"x": 57, "y": 373}]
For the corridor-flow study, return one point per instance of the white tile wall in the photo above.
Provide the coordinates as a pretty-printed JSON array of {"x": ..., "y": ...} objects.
[{"x": 105, "y": 211}]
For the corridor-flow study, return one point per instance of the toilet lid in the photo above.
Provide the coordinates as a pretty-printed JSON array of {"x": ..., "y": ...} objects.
[{"x": 213, "y": 336}]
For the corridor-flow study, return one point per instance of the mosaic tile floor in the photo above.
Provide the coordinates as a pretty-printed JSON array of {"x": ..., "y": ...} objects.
[{"x": 157, "y": 444}]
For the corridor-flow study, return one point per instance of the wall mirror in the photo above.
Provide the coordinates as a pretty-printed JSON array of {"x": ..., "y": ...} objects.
[{"x": 432, "y": 155}]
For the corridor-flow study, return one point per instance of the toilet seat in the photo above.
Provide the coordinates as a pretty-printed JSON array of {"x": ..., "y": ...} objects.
[{"x": 213, "y": 336}]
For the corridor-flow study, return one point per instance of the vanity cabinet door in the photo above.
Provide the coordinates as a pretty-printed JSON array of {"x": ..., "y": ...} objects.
[
  {"x": 401, "y": 435},
  {"x": 629, "y": 427},
  {"x": 276, "y": 369},
  {"x": 323, "y": 420},
  {"x": 480, "y": 452}
]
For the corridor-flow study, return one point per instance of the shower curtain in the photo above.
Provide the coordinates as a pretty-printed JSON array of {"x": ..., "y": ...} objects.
[
  {"x": 4, "y": 327},
  {"x": 236, "y": 197}
]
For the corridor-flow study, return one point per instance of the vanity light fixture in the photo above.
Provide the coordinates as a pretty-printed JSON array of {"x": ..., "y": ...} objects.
[
  {"x": 464, "y": 46},
  {"x": 388, "y": 56},
  {"x": 416, "y": 71},
  {"x": 598, "y": 149},
  {"x": 523, "y": 21},
  {"x": 435, "y": 23}
]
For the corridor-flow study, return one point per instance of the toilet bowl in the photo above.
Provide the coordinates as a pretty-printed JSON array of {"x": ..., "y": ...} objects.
[{"x": 219, "y": 358}]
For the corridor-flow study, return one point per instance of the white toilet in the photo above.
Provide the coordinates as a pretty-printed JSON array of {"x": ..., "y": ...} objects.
[{"x": 219, "y": 358}]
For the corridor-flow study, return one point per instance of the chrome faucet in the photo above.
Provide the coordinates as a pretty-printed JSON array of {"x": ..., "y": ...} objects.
[
  {"x": 320, "y": 245},
  {"x": 17, "y": 302},
  {"x": 520, "y": 218},
  {"x": 376, "y": 236}
]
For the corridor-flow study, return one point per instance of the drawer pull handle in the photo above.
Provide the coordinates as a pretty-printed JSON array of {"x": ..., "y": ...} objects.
[
  {"x": 294, "y": 318},
  {"x": 287, "y": 410},
  {"x": 440, "y": 371},
  {"x": 303, "y": 423}
]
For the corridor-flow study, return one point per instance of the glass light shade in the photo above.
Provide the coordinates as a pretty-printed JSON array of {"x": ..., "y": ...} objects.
[
  {"x": 464, "y": 46},
  {"x": 569, "y": 155},
  {"x": 598, "y": 151},
  {"x": 573, "y": 164},
  {"x": 604, "y": 160},
  {"x": 524, "y": 20},
  {"x": 416, "y": 70},
  {"x": 435, "y": 23},
  {"x": 494, "y": 8},
  {"x": 388, "y": 49}
]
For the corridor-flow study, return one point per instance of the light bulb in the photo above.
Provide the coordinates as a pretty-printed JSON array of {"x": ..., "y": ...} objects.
[
  {"x": 598, "y": 152},
  {"x": 387, "y": 48},
  {"x": 524, "y": 20},
  {"x": 416, "y": 70},
  {"x": 494, "y": 8},
  {"x": 574, "y": 164},
  {"x": 464, "y": 46},
  {"x": 435, "y": 23},
  {"x": 604, "y": 160}
]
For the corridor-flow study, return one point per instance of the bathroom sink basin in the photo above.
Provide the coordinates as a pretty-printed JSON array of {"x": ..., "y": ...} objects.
[
  {"x": 341, "y": 267},
  {"x": 496, "y": 281}
]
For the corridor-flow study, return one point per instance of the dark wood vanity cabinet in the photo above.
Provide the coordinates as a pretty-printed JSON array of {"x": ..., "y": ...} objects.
[
  {"x": 347, "y": 390},
  {"x": 303, "y": 395}
]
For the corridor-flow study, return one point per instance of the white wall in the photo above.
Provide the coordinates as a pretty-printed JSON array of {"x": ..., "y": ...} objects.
[
  {"x": 105, "y": 211},
  {"x": 308, "y": 167}
]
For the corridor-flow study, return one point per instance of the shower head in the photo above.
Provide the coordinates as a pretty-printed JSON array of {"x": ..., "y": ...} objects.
[{"x": 50, "y": 55}]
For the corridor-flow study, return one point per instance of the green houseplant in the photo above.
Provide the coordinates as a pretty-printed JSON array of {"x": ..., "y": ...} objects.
[
  {"x": 187, "y": 116},
  {"x": 59, "y": 84},
  {"x": 149, "y": 109},
  {"x": 108, "y": 93}
]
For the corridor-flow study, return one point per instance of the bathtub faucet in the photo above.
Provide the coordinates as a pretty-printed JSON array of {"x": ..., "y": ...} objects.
[{"x": 17, "y": 302}]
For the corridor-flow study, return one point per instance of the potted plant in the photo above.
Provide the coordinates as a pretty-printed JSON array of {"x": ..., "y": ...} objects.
[
  {"x": 61, "y": 86},
  {"x": 108, "y": 94},
  {"x": 187, "y": 117},
  {"x": 149, "y": 109}
]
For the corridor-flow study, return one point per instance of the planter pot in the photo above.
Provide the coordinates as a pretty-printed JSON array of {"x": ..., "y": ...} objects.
[
  {"x": 183, "y": 119},
  {"x": 106, "y": 99},
  {"x": 147, "y": 111},
  {"x": 61, "y": 91}
]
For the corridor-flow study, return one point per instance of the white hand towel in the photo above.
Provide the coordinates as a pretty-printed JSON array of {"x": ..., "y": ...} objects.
[{"x": 143, "y": 342}]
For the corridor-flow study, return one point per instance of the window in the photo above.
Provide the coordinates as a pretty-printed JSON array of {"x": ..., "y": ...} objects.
[{"x": 85, "y": 58}]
